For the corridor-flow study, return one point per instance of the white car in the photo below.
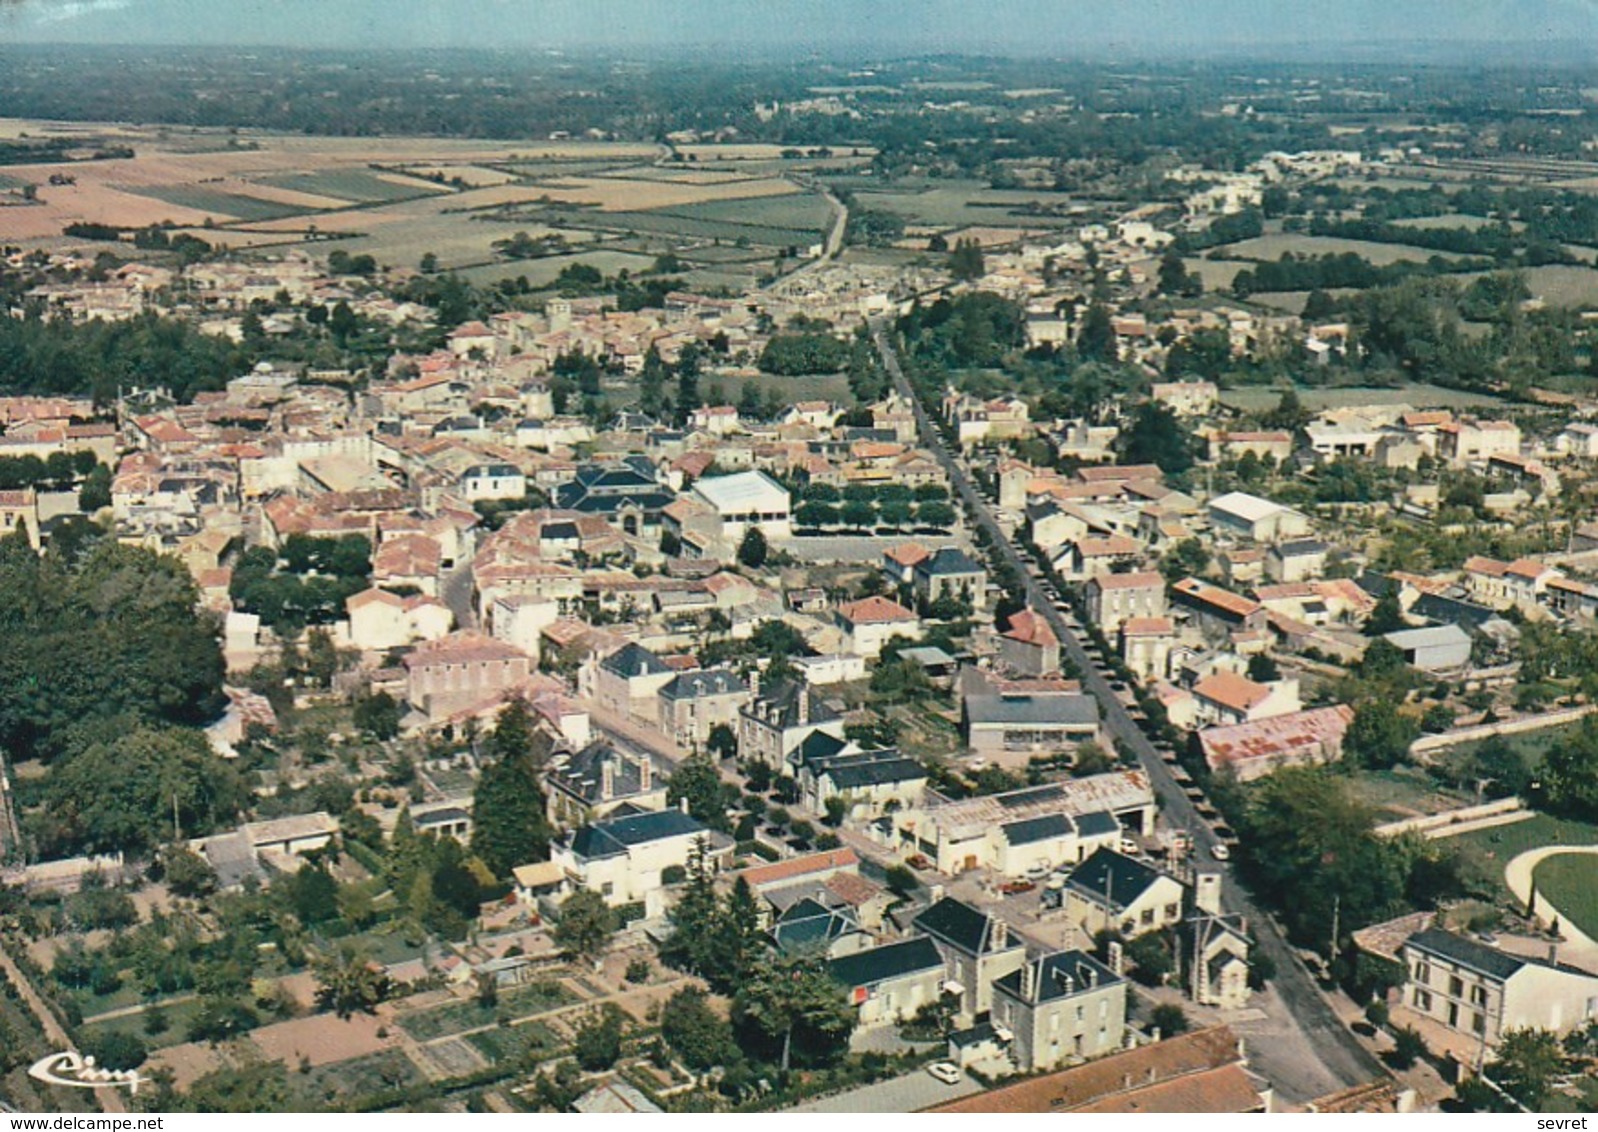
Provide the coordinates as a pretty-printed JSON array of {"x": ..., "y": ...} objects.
[
  {"x": 1220, "y": 853},
  {"x": 946, "y": 1071}
]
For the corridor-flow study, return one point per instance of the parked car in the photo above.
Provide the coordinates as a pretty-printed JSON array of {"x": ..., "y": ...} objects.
[
  {"x": 1220, "y": 853},
  {"x": 946, "y": 1071},
  {"x": 1016, "y": 887}
]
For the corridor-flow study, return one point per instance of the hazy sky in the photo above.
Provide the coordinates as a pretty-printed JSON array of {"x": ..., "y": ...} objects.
[{"x": 1072, "y": 27}]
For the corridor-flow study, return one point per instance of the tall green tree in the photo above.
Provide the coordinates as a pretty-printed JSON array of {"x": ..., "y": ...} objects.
[
  {"x": 695, "y": 1032},
  {"x": 695, "y": 919},
  {"x": 586, "y": 925},
  {"x": 123, "y": 792},
  {"x": 510, "y": 826},
  {"x": 652, "y": 384},
  {"x": 348, "y": 982},
  {"x": 1526, "y": 1064},
  {"x": 794, "y": 1002},
  {"x": 1156, "y": 436},
  {"x": 697, "y": 781}
]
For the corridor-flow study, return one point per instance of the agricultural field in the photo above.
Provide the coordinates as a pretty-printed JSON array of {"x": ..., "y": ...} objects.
[
  {"x": 1415, "y": 394},
  {"x": 357, "y": 186},
  {"x": 544, "y": 270},
  {"x": 1455, "y": 220},
  {"x": 1272, "y": 247},
  {"x": 454, "y": 1017},
  {"x": 218, "y": 204},
  {"x": 964, "y": 204}
]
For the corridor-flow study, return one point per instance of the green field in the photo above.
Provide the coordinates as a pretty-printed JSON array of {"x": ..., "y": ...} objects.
[
  {"x": 670, "y": 224},
  {"x": 962, "y": 204},
  {"x": 542, "y": 271},
  {"x": 1531, "y": 746},
  {"x": 349, "y": 1080},
  {"x": 1568, "y": 882},
  {"x": 794, "y": 211},
  {"x": 1403, "y": 793},
  {"x": 1274, "y": 247},
  {"x": 356, "y": 185},
  {"x": 1498, "y": 845},
  {"x": 218, "y": 203},
  {"x": 179, "y": 1016},
  {"x": 1418, "y": 395},
  {"x": 454, "y": 1017},
  {"x": 511, "y": 1043}
]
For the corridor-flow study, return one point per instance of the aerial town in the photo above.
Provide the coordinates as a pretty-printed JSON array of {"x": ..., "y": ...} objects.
[{"x": 815, "y": 613}]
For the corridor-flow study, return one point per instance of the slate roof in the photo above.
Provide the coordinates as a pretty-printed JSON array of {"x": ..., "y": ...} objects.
[
  {"x": 1112, "y": 878},
  {"x": 1012, "y": 710},
  {"x": 1036, "y": 829},
  {"x": 818, "y": 745},
  {"x": 1097, "y": 824},
  {"x": 583, "y": 774},
  {"x": 880, "y": 964},
  {"x": 957, "y": 923},
  {"x": 949, "y": 561},
  {"x": 1468, "y": 953},
  {"x": 632, "y": 660},
  {"x": 869, "y": 768},
  {"x": 613, "y": 838},
  {"x": 1060, "y": 975},
  {"x": 782, "y": 704},
  {"x": 694, "y": 685}
]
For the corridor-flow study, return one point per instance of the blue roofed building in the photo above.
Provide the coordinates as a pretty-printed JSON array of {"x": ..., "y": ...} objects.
[
  {"x": 890, "y": 983},
  {"x": 623, "y": 858}
]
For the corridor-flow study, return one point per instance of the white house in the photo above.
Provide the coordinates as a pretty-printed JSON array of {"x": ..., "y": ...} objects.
[
  {"x": 747, "y": 499},
  {"x": 622, "y": 859}
]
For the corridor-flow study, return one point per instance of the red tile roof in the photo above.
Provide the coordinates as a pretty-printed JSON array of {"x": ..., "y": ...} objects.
[{"x": 876, "y": 610}]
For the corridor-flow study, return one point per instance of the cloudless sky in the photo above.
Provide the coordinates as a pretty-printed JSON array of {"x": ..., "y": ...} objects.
[{"x": 1049, "y": 27}]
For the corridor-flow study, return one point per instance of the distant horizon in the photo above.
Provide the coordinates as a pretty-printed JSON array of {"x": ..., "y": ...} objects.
[
  {"x": 1528, "y": 32},
  {"x": 1420, "y": 53}
]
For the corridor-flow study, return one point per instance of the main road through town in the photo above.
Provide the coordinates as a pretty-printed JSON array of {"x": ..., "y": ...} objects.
[{"x": 1339, "y": 1059}]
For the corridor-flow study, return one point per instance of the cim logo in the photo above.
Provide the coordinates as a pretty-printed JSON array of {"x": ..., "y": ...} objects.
[{"x": 77, "y": 1072}]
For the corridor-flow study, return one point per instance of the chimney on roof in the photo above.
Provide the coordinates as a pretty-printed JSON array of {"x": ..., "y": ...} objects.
[
  {"x": 607, "y": 778},
  {"x": 1117, "y": 957},
  {"x": 804, "y": 705},
  {"x": 1000, "y": 935},
  {"x": 1029, "y": 981},
  {"x": 1553, "y": 953},
  {"x": 754, "y": 684},
  {"x": 682, "y": 804},
  {"x": 646, "y": 773},
  {"x": 1207, "y": 893}
]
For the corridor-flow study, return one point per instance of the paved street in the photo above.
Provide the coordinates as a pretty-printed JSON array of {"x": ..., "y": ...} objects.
[
  {"x": 1314, "y": 1054},
  {"x": 910, "y": 1093}
]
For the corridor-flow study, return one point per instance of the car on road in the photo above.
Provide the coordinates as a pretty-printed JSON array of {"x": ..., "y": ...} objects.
[
  {"x": 919, "y": 862},
  {"x": 946, "y": 1071},
  {"x": 1220, "y": 852},
  {"x": 1016, "y": 887}
]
